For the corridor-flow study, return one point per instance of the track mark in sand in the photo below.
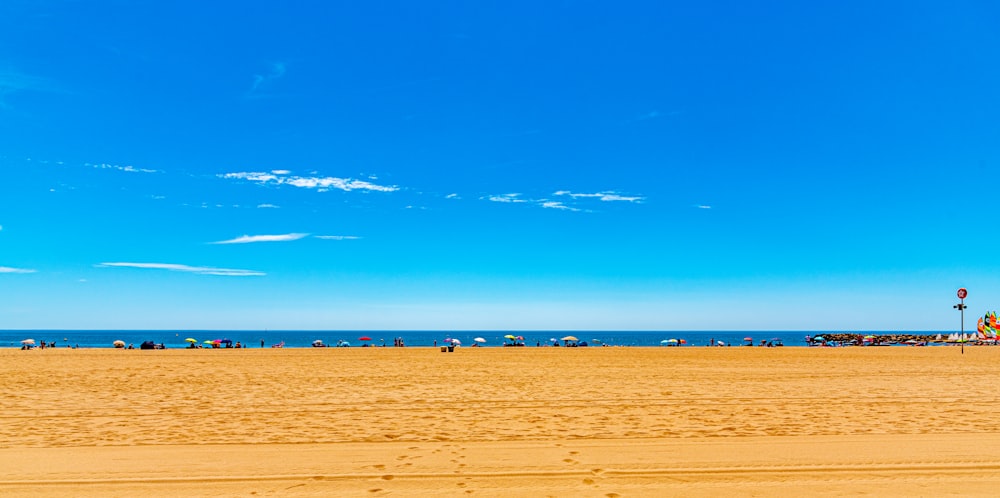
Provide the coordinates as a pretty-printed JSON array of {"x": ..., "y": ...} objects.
[
  {"x": 597, "y": 472},
  {"x": 613, "y": 495},
  {"x": 388, "y": 477},
  {"x": 461, "y": 484},
  {"x": 570, "y": 461},
  {"x": 374, "y": 490},
  {"x": 379, "y": 467},
  {"x": 574, "y": 453},
  {"x": 295, "y": 486},
  {"x": 588, "y": 481}
]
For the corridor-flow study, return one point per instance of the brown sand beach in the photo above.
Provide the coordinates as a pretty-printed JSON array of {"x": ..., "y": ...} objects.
[{"x": 597, "y": 422}]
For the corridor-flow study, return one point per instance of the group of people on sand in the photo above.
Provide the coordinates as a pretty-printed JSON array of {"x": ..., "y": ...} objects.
[
  {"x": 41, "y": 345},
  {"x": 219, "y": 345}
]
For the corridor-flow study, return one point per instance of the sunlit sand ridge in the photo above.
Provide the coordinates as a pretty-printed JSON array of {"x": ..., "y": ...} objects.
[{"x": 496, "y": 421}]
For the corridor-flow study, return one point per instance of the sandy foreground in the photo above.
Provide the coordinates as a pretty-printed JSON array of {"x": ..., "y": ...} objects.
[{"x": 600, "y": 422}]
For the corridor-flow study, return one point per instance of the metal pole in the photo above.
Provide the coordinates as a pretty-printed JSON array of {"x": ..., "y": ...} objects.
[{"x": 961, "y": 308}]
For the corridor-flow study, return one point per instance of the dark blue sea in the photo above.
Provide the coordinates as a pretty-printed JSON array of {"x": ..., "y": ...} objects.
[{"x": 304, "y": 338}]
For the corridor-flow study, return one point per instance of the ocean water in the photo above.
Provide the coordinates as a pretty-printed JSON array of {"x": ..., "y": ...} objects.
[{"x": 420, "y": 338}]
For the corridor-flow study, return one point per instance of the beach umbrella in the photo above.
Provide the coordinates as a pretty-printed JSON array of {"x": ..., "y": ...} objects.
[
  {"x": 510, "y": 336},
  {"x": 720, "y": 343},
  {"x": 209, "y": 342},
  {"x": 569, "y": 338},
  {"x": 191, "y": 340},
  {"x": 118, "y": 344},
  {"x": 364, "y": 338},
  {"x": 819, "y": 338},
  {"x": 456, "y": 342},
  {"x": 683, "y": 341},
  {"x": 595, "y": 341},
  {"x": 665, "y": 341},
  {"x": 317, "y": 342},
  {"x": 28, "y": 341},
  {"x": 553, "y": 339},
  {"x": 479, "y": 340},
  {"x": 520, "y": 337},
  {"x": 748, "y": 339},
  {"x": 671, "y": 341}
]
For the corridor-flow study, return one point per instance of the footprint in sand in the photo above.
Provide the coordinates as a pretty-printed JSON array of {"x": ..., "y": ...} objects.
[
  {"x": 374, "y": 490},
  {"x": 570, "y": 461},
  {"x": 388, "y": 477},
  {"x": 588, "y": 481},
  {"x": 379, "y": 466}
]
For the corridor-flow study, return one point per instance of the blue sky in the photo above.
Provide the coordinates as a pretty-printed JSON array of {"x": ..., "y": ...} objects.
[{"x": 497, "y": 165}]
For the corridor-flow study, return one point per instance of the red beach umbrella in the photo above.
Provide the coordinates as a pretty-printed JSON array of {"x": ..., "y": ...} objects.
[{"x": 364, "y": 338}]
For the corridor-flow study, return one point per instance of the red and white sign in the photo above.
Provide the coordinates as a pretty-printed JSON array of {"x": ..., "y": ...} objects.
[{"x": 962, "y": 293}]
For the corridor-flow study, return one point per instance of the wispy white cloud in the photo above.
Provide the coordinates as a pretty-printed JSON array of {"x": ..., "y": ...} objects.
[
  {"x": 250, "y": 239},
  {"x": 261, "y": 82},
  {"x": 561, "y": 205},
  {"x": 280, "y": 171},
  {"x": 557, "y": 205},
  {"x": 127, "y": 169},
  {"x": 602, "y": 196},
  {"x": 201, "y": 270},
  {"x": 338, "y": 237},
  {"x": 452, "y": 196},
  {"x": 267, "y": 206},
  {"x": 703, "y": 206},
  {"x": 506, "y": 198},
  {"x": 321, "y": 183},
  {"x": 7, "y": 269}
]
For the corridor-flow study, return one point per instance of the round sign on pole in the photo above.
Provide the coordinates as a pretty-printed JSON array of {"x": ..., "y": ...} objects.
[{"x": 962, "y": 293}]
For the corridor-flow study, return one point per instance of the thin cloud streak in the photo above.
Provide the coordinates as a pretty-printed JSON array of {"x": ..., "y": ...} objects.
[
  {"x": 558, "y": 205},
  {"x": 338, "y": 237},
  {"x": 127, "y": 169},
  {"x": 7, "y": 269},
  {"x": 321, "y": 183},
  {"x": 200, "y": 270},
  {"x": 602, "y": 196},
  {"x": 506, "y": 198},
  {"x": 250, "y": 239}
]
